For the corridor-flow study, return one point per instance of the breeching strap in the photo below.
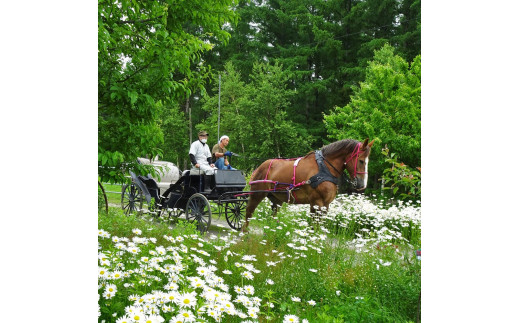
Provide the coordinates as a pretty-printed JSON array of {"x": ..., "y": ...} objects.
[{"x": 288, "y": 187}]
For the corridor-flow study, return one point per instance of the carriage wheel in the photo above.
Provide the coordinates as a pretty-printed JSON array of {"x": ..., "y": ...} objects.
[
  {"x": 198, "y": 209},
  {"x": 235, "y": 212},
  {"x": 102, "y": 198},
  {"x": 131, "y": 199}
]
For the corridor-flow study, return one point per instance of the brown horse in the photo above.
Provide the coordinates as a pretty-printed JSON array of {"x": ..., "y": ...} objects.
[{"x": 312, "y": 179}]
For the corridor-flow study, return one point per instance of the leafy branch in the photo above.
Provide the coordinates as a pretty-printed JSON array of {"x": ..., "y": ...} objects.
[{"x": 400, "y": 180}]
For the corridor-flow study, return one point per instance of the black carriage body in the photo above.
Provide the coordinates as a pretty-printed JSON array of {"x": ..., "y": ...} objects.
[
  {"x": 229, "y": 181},
  {"x": 224, "y": 187},
  {"x": 211, "y": 186}
]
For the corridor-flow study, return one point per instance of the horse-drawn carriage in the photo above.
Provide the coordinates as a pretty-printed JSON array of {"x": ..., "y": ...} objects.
[
  {"x": 190, "y": 195},
  {"x": 311, "y": 179}
]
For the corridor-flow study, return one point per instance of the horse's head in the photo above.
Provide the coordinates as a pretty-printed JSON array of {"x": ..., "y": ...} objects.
[{"x": 356, "y": 164}]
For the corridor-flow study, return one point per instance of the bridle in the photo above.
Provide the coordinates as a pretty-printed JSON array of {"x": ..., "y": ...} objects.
[{"x": 355, "y": 153}]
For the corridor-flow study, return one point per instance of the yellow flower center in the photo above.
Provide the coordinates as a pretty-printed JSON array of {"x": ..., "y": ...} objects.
[
  {"x": 185, "y": 314},
  {"x": 102, "y": 272},
  {"x": 186, "y": 301},
  {"x": 171, "y": 298},
  {"x": 136, "y": 318}
]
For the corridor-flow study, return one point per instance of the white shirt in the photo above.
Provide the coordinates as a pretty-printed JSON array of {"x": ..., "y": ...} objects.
[{"x": 200, "y": 151}]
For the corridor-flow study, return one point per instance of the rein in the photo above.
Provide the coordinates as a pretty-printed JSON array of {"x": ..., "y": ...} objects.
[{"x": 328, "y": 162}]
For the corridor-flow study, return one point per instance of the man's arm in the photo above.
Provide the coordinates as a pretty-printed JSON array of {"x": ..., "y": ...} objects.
[{"x": 193, "y": 161}]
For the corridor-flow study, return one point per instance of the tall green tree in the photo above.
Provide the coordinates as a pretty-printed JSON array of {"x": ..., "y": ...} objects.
[
  {"x": 254, "y": 115},
  {"x": 149, "y": 57},
  {"x": 386, "y": 107},
  {"x": 325, "y": 45}
]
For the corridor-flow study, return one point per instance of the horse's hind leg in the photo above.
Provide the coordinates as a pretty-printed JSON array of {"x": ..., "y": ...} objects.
[
  {"x": 252, "y": 203},
  {"x": 275, "y": 206}
]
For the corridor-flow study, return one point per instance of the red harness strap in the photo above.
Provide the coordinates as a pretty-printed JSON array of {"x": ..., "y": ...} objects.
[{"x": 288, "y": 187}]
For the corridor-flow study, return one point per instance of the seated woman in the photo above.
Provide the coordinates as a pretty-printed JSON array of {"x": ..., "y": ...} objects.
[{"x": 219, "y": 154}]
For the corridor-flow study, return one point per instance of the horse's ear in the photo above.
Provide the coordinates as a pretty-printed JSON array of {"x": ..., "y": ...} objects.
[
  {"x": 371, "y": 143},
  {"x": 364, "y": 144}
]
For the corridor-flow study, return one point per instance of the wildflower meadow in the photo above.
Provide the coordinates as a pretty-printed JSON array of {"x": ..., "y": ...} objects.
[{"x": 358, "y": 262}]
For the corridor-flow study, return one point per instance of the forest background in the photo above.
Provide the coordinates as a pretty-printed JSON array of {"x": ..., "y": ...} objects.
[{"x": 295, "y": 75}]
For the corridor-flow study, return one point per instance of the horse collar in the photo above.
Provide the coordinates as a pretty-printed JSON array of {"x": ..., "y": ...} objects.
[{"x": 323, "y": 172}]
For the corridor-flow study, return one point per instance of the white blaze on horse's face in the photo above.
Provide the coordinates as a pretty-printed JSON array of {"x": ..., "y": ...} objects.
[{"x": 366, "y": 170}]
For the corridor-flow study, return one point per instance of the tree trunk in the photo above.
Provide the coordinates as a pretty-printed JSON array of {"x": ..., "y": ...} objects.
[{"x": 188, "y": 110}]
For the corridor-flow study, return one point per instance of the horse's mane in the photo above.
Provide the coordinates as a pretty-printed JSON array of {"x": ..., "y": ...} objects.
[{"x": 339, "y": 146}]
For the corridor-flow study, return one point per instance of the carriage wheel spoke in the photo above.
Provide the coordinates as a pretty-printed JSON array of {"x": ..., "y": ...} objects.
[{"x": 199, "y": 209}]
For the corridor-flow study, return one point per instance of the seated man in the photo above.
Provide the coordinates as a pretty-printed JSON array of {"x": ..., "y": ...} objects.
[
  {"x": 219, "y": 154},
  {"x": 200, "y": 155}
]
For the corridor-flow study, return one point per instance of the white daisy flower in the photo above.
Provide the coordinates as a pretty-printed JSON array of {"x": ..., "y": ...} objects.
[
  {"x": 248, "y": 289},
  {"x": 247, "y": 275},
  {"x": 124, "y": 319},
  {"x": 187, "y": 300},
  {"x": 291, "y": 319}
]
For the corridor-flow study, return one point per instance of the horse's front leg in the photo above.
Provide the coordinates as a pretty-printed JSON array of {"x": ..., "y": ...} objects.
[{"x": 252, "y": 203}]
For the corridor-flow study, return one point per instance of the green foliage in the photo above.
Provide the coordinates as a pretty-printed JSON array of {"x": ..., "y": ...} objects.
[
  {"x": 381, "y": 284},
  {"x": 149, "y": 56},
  {"x": 401, "y": 181},
  {"x": 385, "y": 107},
  {"x": 254, "y": 116},
  {"x": 325, "y": 45},
  {"x": 121, "y": 225},
  {"x": 174, "y": 125}
]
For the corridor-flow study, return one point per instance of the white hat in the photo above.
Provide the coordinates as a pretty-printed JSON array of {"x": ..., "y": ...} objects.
[{"x": 223, "y": 137}]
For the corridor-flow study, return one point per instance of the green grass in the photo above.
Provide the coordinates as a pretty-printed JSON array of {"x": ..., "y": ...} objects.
[
  {"x": 380, "y": 284},
  {"x": 113, "y": 198}
]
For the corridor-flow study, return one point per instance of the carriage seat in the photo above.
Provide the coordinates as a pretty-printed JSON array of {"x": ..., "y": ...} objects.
[
  {"x": 196, "y": 171},
  {"x": 151, "y": 185}
]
